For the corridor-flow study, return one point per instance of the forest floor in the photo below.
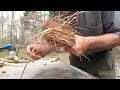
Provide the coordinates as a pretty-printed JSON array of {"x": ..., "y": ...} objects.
[
  {"x": 63, "y": 56},
  {"x": 117, "y": 61}
]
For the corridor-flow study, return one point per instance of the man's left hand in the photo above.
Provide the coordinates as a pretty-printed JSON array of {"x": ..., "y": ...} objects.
[{"x": 80, "y": 47}]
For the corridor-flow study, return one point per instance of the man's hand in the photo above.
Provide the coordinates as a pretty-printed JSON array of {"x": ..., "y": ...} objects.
[
  {"x": 80, "y": 47},
  {"x": 93, "y": 44},
  {"x": 39, "y": 51}
]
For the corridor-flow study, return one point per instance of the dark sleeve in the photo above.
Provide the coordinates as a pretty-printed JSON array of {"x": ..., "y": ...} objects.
[{"x": 109, "y": 22}]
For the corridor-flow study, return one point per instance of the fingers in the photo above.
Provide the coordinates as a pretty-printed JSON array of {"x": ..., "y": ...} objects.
[
  {"x": 37, "y": 52},
  {"x": 70, "y": 50},
  {"x": 29, "y": 49},
  {"x": 75, "y": 49},
  {"x": 35, "y": 57}
]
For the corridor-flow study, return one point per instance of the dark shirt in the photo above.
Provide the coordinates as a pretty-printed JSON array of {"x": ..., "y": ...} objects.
[{"x": 94, "y": 23}]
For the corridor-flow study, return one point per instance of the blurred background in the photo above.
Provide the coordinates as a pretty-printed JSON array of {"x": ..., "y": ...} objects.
[{"x": 16, "y": 27}]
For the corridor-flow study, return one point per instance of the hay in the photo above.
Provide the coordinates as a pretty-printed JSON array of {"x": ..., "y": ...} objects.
[{"x": 58, "y": 31}]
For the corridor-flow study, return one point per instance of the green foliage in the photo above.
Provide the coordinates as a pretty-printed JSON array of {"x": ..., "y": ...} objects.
[
  {"x": 4, "y": 53},
  {"x": 22, "y": 53}
]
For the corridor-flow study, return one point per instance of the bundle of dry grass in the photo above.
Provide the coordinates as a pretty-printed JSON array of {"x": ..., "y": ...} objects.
[
  {"x": 58, "y": 31},
  {"x": 61, "y": 33}
]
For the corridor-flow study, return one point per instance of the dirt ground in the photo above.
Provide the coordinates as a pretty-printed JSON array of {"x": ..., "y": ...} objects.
[{"x": 117, "y": 61}]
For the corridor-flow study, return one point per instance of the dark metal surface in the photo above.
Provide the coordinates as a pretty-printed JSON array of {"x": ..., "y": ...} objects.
[{"x": 45, "y": 69}]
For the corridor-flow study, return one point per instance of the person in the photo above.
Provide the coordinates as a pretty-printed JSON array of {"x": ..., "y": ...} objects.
[{"x": 99, "y": 35}]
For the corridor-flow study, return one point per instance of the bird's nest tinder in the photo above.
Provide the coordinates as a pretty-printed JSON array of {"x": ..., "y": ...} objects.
[{"x": 58, "y": 30}]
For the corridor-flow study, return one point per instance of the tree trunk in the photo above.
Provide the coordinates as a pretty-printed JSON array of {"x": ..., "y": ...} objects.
[
  {"x": 2, "y": 28},
  {"x": 11, "y": 33},
  {"x": 44, "y": 16},
  {"x": 8, "y": 34}
]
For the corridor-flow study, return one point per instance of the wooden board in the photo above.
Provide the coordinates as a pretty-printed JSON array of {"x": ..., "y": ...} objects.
[{"x": 44, "y": 69}]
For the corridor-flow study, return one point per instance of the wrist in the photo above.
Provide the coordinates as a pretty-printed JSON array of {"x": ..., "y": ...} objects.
[
  {"x": 86, "y": 43},
  {"x": 91, "y": 44}
]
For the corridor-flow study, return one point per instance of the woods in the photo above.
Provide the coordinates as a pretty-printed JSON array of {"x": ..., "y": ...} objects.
[{"x": 18, "y": 26}]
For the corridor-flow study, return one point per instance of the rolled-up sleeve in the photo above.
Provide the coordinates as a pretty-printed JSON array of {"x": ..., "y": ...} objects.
[{"x": 111, "y": 22}]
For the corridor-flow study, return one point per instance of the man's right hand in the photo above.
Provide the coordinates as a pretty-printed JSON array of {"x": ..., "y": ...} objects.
[{"x": 39, "y": 51}]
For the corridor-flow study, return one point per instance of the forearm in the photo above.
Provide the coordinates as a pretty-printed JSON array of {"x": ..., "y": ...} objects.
[{"x": 103, "y": 42}]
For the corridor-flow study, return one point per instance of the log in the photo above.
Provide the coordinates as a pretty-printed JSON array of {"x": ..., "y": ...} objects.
[{"x": 12, "y": 61}]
